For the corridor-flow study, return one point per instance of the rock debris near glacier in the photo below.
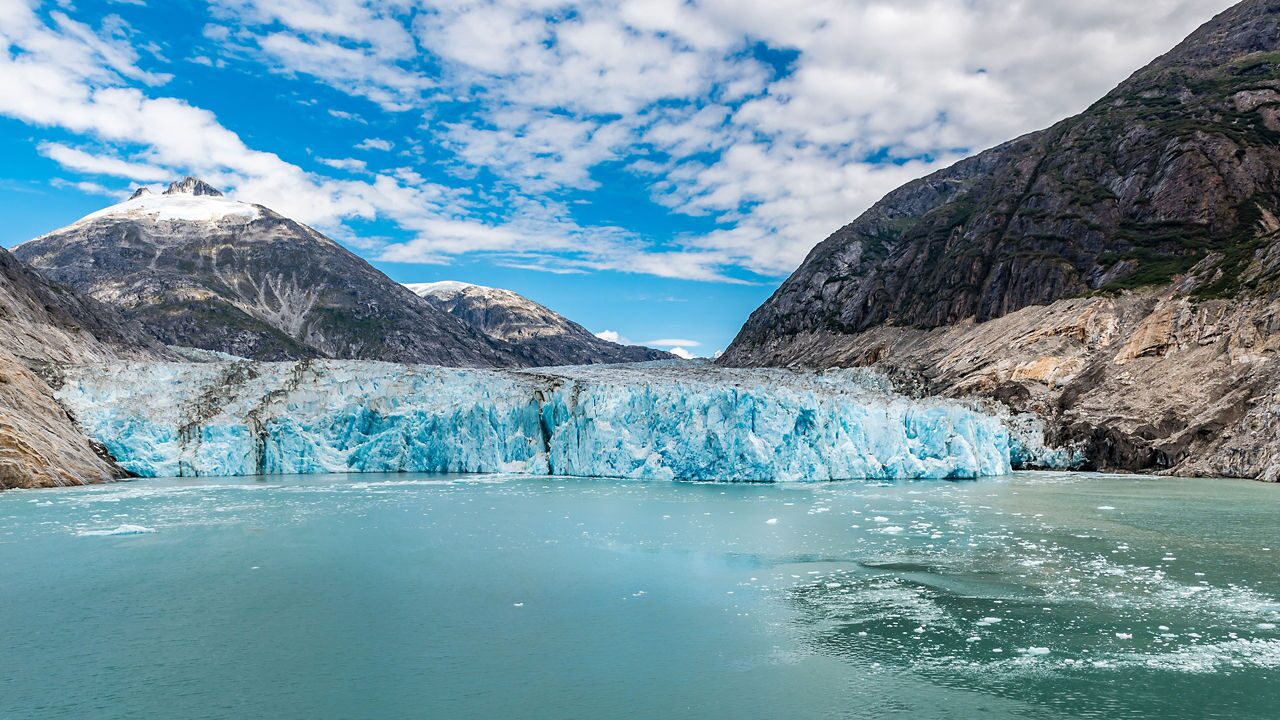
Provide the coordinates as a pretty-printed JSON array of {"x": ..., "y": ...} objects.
[{"x": 649, "y": 421}]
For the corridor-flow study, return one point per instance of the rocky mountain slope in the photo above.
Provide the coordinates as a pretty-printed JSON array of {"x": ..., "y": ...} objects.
[
  {"x": 41, "y": 325},
  {"x": 201, "y": 270},
  {"x": 542, "y": 336},
  {"x": 1117, "y": 272}
]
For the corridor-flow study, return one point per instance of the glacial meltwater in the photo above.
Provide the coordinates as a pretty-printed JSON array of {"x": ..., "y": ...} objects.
[{"x": 1035, "y": 595}]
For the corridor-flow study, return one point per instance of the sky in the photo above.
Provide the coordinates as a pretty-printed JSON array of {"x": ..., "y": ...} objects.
[{"x": 652, "y": 169}]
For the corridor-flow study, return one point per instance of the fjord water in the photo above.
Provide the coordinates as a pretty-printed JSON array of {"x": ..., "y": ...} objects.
[{"x": 406, "y": 596}]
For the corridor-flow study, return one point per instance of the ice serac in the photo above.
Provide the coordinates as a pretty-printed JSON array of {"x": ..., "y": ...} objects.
[{"x": 638, "y": 421}]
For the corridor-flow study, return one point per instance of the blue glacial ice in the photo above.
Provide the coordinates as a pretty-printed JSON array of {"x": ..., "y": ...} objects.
[{"x": 651, "y": 421}]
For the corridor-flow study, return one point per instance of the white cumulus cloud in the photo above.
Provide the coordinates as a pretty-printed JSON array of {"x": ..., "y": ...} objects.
[
  {"x": 671, "y": 342},
  {"x": 777, "y": 121}
]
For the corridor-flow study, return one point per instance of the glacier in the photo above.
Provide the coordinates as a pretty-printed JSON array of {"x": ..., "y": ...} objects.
[{"x": 657, "y": 421}]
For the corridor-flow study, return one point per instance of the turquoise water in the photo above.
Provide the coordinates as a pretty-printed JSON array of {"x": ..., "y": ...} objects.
[{"x": 1031, "y": 596}]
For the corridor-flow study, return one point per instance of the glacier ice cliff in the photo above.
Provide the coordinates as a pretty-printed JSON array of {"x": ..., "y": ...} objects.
[{"x": 650, "y": 421}]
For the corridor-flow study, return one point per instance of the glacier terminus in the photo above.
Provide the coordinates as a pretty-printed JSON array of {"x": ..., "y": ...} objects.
[{"x": 657, "y": 421}]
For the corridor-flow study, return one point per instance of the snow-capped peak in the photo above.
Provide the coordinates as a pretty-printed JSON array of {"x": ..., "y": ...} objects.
[
  {"x": 447, "y": 289},
  {"x": 192, "y": 186},
  {"x": 188, "y": 200}
]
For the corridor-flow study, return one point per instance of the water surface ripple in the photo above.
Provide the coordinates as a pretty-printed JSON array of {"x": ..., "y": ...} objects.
[{"x": 1036, "y": 595}]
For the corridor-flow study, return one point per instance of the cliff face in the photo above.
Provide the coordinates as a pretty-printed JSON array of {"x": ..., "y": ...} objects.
[
  {"x": 1147, "y": 380},
  {"x": 1175, "y": 169},
  {"x": 197, "y": 269},
  {"x": 43, "y": 324},
  {"x": 1155, "y": 211},
  {"x": 542, "y": 336}
]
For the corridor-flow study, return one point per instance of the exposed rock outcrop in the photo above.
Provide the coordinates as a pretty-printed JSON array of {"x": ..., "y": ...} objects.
[{"x": 1142, "y": 381}]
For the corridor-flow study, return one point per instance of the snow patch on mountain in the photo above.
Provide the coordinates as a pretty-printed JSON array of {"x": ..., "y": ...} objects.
[
  {"x": 186, "y": 200},
  {"x": 183, "y": 208},
  {"x": 447, "y": 289}
]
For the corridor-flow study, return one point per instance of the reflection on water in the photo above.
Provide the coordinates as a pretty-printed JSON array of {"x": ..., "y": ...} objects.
[{"x": 1036, "y": 596}]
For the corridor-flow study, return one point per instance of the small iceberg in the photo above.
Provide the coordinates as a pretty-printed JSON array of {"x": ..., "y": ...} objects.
[{"x": 121, "y": 530}]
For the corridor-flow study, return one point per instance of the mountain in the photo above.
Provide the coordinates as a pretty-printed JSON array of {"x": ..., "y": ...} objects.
[
  {"x": 42, "y": 324},
  {"x": 542, "y": 336},
  {"x": 1117, "y": 273},
  {"x": 201, "y": 270}
]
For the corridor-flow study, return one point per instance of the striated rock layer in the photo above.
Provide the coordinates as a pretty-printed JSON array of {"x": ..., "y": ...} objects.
[
  {"x": 647, "y": 422},
  {"x": 1150, "y": 380},
  {"x": 1117, "y": 273}
]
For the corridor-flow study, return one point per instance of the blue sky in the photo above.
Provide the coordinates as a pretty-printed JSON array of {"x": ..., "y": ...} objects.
[{"x": 652, "y": 168}]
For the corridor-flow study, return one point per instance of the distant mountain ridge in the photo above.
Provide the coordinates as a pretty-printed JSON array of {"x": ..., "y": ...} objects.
[{"x": 542, "y": 335}]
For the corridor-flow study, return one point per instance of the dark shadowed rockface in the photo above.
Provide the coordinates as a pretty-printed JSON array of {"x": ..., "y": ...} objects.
[
  {"x": 200, "y": 270},
  {"x": 1115, "y": 272},
  {"x": 541, "y": 335}
]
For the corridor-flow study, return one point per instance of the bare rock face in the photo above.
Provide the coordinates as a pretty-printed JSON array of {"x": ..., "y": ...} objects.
[
  {"x": 1143, "y": 381},
  {"x": 1117, "y": 273},
  {"x": 542, "y": 336},
  {"x": 201, "y": 270},
  {"x": 40, "y": 445},
  {"x": 42, "y": 322},
  {"x": 42, "y": 325}
]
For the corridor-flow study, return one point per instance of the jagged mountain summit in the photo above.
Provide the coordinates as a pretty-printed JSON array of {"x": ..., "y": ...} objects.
[
  {"x": 1117, "y": 272},
  {"x": 198, "y": 269},
  {"x": 544, "y": 336}
]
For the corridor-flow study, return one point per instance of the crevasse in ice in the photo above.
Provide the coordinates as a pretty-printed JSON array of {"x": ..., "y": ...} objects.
[{"x": 649, "y": 421}]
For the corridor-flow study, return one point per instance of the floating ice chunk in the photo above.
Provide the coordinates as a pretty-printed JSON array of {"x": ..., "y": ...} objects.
[
  {"x": 771, "y": 521},
  {"x": 1036, "y": 651},
  {"x": 1105, "y": 507},
  {"x": 120, "y": 530}
]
